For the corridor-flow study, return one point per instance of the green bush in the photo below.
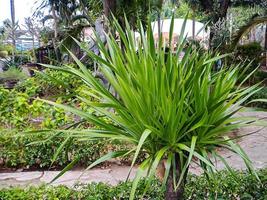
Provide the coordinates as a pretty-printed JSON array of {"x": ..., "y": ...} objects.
[
  {"x": 34, "y": 150},
  {"x": 15, "y": 151},
  {"x": 92, "y": 191},
  {"x": 250, "y": 52},
  {"x": 13, "y": 73},
  {"x": 19, "y": 107},
  {"x": 7, "y": 47},
  {"x": 262, "y": 94},
  {"x": 222, "y": 187},
  {"x": 19, "y": 110},
  {"x": 3, "y": 54},
  {"x": 261, "y": 76},
  {"x": 247, "y": 53},
  {"x": 49, "y": 83}
]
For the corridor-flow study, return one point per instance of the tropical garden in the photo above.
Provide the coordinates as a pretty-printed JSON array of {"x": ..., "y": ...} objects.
[{"x": 156, "y": 86}]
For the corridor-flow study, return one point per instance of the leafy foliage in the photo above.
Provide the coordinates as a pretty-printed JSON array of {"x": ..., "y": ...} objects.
[
  {"x": 262, "y": 94},
  {"x": 249, "y": 53},
  {"x": 222, "y": 187},
  {"x": 18, "y": 110},
  {"x": 37, "y": 150},
  {"x": 172, "y": 108},
  {"x": 13, "y": 73},
  {"x": 19, "y": 107}
]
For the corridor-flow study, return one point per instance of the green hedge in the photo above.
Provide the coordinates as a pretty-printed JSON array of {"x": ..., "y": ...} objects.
[
  {"x": 37, "y": 150},
  {"x": 15, "y": 151},
  {"x": 251, "y": 52},
  {"x": 222, "y": 187},
  {"x": 262, "y": 94},
  {"x": 20, "y": 109},
  {"x": 225, "y": 187}
]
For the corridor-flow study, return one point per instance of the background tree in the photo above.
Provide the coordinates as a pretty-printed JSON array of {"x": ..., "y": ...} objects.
[
  {"x": 10, "y": 32},
  {"x": 13, "y": 27},
  {"x": 33, "y": 29},
  {"x": 193, "y": 4},
  {"x": 53, "y": 5},
  {"x": 69, "y": 18}
]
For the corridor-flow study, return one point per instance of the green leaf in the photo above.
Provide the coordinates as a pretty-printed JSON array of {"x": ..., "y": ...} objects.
[
  {"x": 140, "y": 172},
  {"x": 67, "y": 168},
  {"x": 145, "y": 134},
  {"x": 107, "y": 157}
]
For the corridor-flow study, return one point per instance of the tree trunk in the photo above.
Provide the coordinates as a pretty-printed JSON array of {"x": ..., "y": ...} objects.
[
  {"x": 54, "y": 40},
  {"x": 171, "y": 193},
  {"x": 207, "y": 5},
  {"x": 265, "y": 45},
  {"x": 33, "y": 49},
  {"x": 12, "y": 11},
  {"x": 159, "y": 25},
  {"x": 221, "y": 14},
  {"x": 224, "y": 8},
  {"x": 194, "y": 25},
  {"x": 109, "y": 7}
]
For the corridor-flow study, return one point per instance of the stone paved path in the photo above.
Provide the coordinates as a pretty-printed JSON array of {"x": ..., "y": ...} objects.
[
  {"x": 254, "y": 145},
  {"x": 111, "y": 175}
]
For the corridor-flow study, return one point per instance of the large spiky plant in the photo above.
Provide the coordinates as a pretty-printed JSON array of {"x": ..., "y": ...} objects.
[{"x": 173, "y": 108}]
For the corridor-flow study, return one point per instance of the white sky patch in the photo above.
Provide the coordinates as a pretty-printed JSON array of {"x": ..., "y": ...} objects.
[{"x": 23, "y": 8}]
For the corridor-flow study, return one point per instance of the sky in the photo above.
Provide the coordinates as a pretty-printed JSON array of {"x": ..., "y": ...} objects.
[{"x": 23, "y": 8}]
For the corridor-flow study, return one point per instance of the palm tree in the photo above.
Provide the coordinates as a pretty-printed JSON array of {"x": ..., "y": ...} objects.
[
  {"x": 53, "y": 4},
  {"x": 216, "y": 10},
  {"x": 65, "y": 14},
  {"x": 13, "y": 24},
  {"x": 252, "y": 23},
  {"x": 247, "y": 28}
]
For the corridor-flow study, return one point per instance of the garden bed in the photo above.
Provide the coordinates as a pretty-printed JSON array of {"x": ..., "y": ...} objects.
[{"x": 223, "y": 186}]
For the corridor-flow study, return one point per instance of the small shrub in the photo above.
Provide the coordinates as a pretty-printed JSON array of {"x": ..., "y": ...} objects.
[
  {"x": 13, "y": 73},
  {"x": 3, "y": 54},
  {"x": 18, "y": 110},
  {"x": 250, "y": 52},
  {"x": 247, "y": 53},
  {"x": 262, "y": 94},
  {"x": 261, "y": 76},
  {"x": 226, "y": 187},
  {"x": 222, "y": 187},
  {"x": 16, "y": 151}
]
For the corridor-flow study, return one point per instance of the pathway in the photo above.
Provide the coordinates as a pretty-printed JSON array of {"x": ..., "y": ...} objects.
[{"x": 255, "y": 146}]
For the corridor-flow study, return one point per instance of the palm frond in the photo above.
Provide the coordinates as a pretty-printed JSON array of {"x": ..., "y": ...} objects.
[{"x": 247, "y": 27}]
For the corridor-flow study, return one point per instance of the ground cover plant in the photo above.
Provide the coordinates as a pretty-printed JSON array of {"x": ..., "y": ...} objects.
[
  {"x": 222, "y": 187},
  {"x": 21, "y": 112},
  {"x": 174, "y": 109},
  {"x": 37, "y": 151},
  {"x": 19, "y": 108}
]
